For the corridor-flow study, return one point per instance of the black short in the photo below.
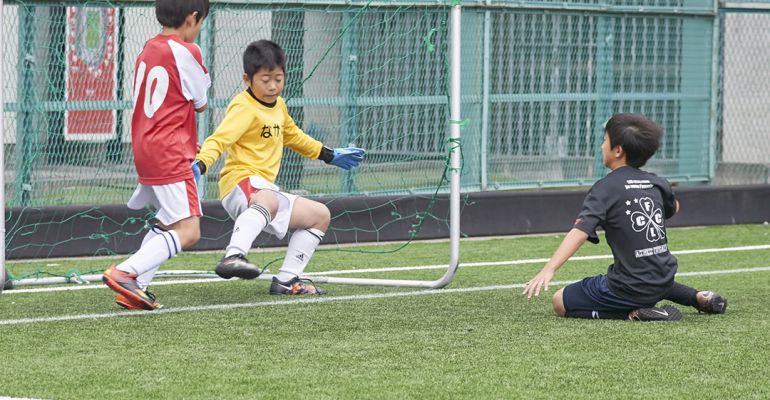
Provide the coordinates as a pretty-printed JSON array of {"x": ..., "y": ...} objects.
[{"x": 594, "y": 294}]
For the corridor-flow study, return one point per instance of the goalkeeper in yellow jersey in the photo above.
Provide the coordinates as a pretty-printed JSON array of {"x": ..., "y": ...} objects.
[{"x": 255, "y": 129}]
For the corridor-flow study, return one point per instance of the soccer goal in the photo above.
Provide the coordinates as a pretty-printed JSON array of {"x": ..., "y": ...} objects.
[{"x": 385, "y": 77}]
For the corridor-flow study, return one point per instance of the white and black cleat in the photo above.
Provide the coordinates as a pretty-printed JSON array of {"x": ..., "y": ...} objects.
[{"x": 714, "y": 304}]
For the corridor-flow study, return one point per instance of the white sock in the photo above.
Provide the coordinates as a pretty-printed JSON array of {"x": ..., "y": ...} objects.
[
  {"x": 144, "y": 279},
  {"x": 153, "y": 252},
  {"x": 247, "y": 227},
  {"x": 154, "y": 231},
  {"x": 301, "y": 247}
]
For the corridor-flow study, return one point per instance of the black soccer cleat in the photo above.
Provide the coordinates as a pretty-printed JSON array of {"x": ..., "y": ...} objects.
[
  {"x": 715, "y": 304},
  {"x": 665, "y": 313},
  {"x": 236, "y": 266},
  {"x": 295, "y": 287}
]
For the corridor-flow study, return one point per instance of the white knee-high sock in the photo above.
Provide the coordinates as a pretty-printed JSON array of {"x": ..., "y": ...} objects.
[
  {"x": 247, "y": 227},
  {"x": 144, "y": 279},
  {"x": 154, "y": 231},
  {"x": 153, "y": 252},
  {"x": 301, "y": 247}
]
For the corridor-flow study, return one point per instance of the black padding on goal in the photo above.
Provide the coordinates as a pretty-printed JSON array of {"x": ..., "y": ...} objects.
[{"x": 115, "y": 229}]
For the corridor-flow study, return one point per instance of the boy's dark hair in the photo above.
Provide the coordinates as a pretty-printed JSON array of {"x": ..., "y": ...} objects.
[
  {"x": 638, "y": 135},
  {"x": 263, "y": 54},
  {"x": 171, "y": 13}
]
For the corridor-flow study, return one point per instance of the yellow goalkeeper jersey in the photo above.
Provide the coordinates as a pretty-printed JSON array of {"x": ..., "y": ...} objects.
[{"x": 254, "y": 135}]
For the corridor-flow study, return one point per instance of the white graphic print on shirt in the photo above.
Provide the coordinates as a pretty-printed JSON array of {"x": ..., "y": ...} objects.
[{"x": 649, "y": 219}]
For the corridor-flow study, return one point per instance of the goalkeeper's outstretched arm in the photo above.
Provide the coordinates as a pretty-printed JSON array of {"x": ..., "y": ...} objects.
[{"x": 345, "y": 158}]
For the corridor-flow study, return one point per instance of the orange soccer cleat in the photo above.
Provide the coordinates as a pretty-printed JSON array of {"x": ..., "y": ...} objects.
[{"x": 124, "y": 284}]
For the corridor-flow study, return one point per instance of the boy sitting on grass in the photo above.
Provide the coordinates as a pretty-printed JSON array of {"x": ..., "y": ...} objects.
[{"x": 632, "y": 206}]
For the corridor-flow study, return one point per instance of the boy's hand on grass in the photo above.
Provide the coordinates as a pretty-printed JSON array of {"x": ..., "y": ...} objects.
[{"x": 540, "y": 281}]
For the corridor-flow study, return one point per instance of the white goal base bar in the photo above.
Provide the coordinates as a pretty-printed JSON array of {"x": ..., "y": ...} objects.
[{"x": 90, "y": 278}]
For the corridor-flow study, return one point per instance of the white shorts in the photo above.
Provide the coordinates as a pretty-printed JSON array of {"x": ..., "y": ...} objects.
[
  {"x": 237, "y": 201},
  {"x": 174, "y": 201}
]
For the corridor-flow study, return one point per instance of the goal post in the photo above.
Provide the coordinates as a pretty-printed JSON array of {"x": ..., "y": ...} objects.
[
  {"x": 455, "y": 149},
  {"x": 2, "y": 162}
]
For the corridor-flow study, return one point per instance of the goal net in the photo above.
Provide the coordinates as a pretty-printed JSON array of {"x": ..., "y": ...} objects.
[{"x": 376, "y": 77}]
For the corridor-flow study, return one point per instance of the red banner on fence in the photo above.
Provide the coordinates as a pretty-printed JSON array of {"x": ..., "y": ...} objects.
[{"x": 91, "y": 73}]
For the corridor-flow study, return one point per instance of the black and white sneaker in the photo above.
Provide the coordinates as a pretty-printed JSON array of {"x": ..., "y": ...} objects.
[
  {"x": 236, "y": 266},
  {"x": 295, "y": 286},
  {"x": 714, "y": 304},
  {"x": 665, "y": 313}
]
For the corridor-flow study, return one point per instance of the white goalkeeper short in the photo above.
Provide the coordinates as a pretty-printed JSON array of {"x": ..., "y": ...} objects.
[
  {"x": 174, "y": 201},
  {"x": 237, "y": 201}
]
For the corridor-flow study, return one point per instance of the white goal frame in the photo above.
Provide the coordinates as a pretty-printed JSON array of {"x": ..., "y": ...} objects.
[{"x": 454, "y": 194}]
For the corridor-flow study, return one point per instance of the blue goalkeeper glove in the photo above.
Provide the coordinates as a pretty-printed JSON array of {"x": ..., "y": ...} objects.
[
  {"x": 198, "y": 168},
  {"x": 347, "y": 158}
]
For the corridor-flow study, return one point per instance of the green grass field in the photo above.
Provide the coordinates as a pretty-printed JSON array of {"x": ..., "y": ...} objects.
[{"x": 479, "y": 338}]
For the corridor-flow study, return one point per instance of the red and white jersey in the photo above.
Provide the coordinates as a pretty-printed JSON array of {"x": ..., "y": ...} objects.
[{"x": 170, "y": 82}]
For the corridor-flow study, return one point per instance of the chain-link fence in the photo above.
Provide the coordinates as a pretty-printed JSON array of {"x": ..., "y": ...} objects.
[
  {"x": 539, "y": 80},
  {"x": 744, "y": 137}
]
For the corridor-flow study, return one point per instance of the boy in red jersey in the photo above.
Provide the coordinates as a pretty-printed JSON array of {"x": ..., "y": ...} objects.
[
  {"x": 254, "y": 132},
  {"x": 170, "y": 85}
]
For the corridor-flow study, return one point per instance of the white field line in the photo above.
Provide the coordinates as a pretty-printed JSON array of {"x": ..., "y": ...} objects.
[
  {"x": 325, "y": 299},
  {"x": 389, "y": 269},
  {"x": 305, "y": 300},
  {"x": 528, "y": 261},
  {"x": 16, "y": 398},
  {"x": 88, "y": 286}
]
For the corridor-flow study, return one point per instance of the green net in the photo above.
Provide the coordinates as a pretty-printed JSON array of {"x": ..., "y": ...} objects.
[
  {"x": 356, "y": 75},
  {"x": 538, "y": 81},
  {"x": 374, "y": 77}
]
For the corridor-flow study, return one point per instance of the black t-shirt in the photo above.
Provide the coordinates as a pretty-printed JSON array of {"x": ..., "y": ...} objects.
[{"x": 632, "y": 206}]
